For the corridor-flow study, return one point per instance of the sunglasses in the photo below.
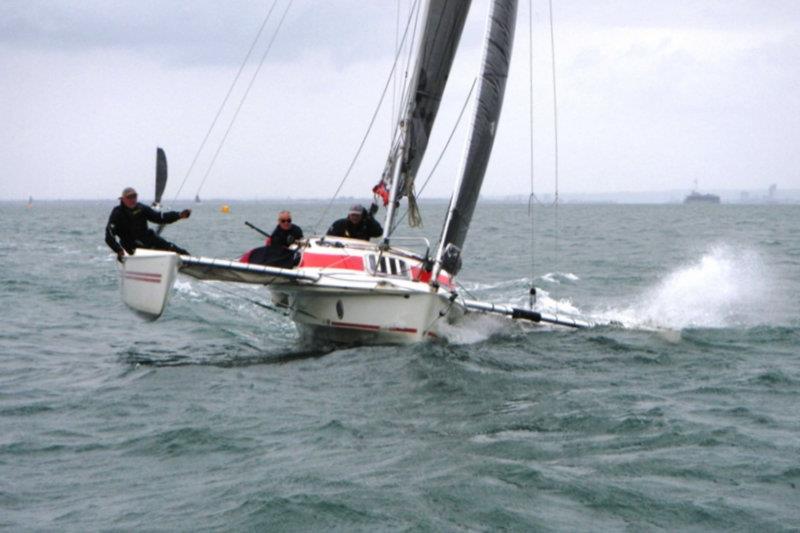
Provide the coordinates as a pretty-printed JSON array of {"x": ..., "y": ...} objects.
[
  {"x": 285, "y": 220},
  {"x": 132, "y": 196}
]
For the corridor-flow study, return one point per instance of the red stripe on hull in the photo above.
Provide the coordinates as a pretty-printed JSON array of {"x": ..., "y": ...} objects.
[
  {"x": 143, "y": 274},
  {"x": 371, "y": 327},
  {"x": 350, "y": 325},
  {"x": 347, "y": 262},
  {"x": 404, "y": 330},
  {"x": 140, "y": 278}
]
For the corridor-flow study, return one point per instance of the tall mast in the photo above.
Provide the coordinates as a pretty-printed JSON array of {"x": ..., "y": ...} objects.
[{"x": 488, "y": 103}]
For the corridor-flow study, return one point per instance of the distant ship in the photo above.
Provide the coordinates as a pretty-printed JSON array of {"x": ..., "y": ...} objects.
[{"x": 697, "y": 198}]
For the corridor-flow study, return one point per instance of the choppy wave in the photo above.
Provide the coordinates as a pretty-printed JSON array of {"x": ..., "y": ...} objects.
[{"x": 218, "y": 417}]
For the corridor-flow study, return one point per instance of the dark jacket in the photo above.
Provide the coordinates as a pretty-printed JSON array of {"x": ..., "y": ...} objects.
[
  {"x": 130, "y": 225},
  {"x": 368, "y": 227},
  {"x": 277, "y": 252},
  {"x": 283, "y": 238}
]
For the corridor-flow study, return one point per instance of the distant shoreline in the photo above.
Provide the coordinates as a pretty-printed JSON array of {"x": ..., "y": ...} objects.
[{"x": 672, "y": 196}]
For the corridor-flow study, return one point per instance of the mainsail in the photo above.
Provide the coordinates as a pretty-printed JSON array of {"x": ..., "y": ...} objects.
[
  {"x": 442, "y": 28},
  {"x": 488, "y": 103}
]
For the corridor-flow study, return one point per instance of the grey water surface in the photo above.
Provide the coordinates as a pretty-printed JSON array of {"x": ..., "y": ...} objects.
[{"x": 679, "y": 410}]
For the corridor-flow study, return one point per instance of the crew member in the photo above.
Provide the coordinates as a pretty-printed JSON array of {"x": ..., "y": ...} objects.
[
  {"x": 359, "y": 224},
  {"x": 128, "y": 222},
  {"x": 277, "y": 252},
  {"x": 285, "y": 233}
]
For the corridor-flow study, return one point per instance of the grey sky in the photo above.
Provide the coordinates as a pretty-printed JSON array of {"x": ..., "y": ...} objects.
[{"x": 651, "y": 96}]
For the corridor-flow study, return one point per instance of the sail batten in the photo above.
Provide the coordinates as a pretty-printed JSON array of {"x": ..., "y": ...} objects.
[{"x": 488, "y": 104}]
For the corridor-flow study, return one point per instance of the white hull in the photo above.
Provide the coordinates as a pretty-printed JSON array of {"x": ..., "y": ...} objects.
[
  {"x": 343, "y": 291},
  {"x": 388, "y": 316},
  {"x": 146, "y": 280},
  {"x": 364, "y": 295}
]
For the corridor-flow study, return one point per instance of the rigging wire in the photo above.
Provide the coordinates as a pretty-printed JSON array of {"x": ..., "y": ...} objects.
[
  {"x": 392, "y": 122},
  {"x": 395, "y": 156},
  {"x": 244, "y": 96},
  {"x": 532, "y": 196},
  {"x": 409, "y": 57},
  {"x": 555, "y": 132},
  {"x": 369, "y": 127},
  {"x": 225, "y": 100},
  {"x": 465, "y": 290},
  {"x": 248, "y": 299},
  {"x": 441, "y": 154}
]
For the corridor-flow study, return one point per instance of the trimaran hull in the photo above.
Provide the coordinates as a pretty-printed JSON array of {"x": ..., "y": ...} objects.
[
  {"x": 340, "y": 298},
  {"x": 351, "y": 294},
  {"x": 356, "y": 291}
]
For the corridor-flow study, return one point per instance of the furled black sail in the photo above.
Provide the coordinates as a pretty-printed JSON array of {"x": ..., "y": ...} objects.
[
  {"x": 161, "y": 174},
  {"x": 488, "y": 103},
  {"x": 441, "y": 32}
]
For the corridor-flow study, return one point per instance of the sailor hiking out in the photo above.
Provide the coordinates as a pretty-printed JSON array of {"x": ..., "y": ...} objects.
[{"x": 128, "y": 223}]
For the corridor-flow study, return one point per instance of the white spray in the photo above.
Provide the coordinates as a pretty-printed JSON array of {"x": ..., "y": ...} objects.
[{"x": 725, "y": 288}]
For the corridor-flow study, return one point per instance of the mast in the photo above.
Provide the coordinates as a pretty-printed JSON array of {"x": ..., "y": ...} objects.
[
  {"x": 443, "y": 23},
  {"x": 487, "y": 106}
]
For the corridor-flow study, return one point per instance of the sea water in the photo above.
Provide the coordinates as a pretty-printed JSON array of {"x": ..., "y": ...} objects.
[{"x": 678, "y": 410}]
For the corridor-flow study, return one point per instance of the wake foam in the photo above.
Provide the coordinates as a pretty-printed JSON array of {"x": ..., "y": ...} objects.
[
  {"x": 558, "y": 277},
  {"x": 725, "y": 288},
  {"x": 547, "y": 304},
  {"x": 474, "y": 327},
  {"x": 478, "y": 327}
]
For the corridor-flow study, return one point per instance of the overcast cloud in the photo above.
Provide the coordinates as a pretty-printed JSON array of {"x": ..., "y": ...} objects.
[{"x": 651, "y": 96}]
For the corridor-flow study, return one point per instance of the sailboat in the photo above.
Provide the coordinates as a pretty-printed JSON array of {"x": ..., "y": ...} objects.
[{"x": 355, "y": 291}]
